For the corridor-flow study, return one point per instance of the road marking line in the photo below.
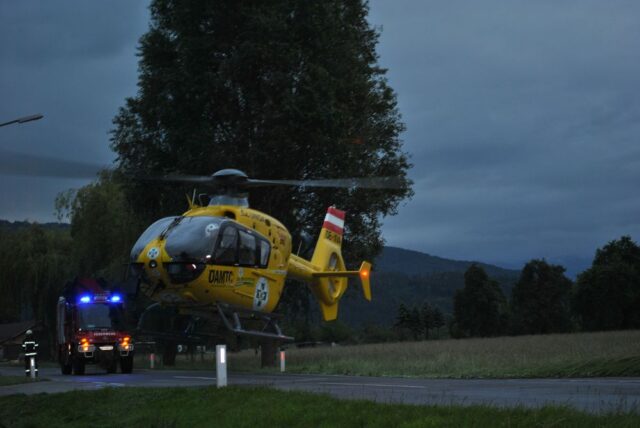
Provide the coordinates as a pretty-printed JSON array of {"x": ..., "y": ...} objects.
[
  {"x": 302, "y": 380},
  {"x": 372, "y": 384},
  {"x": 195, "y": 377}
]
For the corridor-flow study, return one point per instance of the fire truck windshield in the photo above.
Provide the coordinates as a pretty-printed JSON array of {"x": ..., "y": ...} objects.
[{"x": 99, "y": 316}]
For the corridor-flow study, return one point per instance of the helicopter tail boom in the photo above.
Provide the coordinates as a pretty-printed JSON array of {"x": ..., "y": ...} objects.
[{"x": 326, "y": 270}]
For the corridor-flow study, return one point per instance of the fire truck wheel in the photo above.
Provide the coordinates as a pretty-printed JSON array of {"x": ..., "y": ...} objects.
[
  {"x": 65, "y": 364},
  {"x": 126, "y": 364},
  {"x": 65, "y": 368},
  {"x": 113, "y": 366},
  {"x": 78, "y": 366}
]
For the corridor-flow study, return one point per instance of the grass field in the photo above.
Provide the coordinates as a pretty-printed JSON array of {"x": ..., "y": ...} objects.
[
  {"x": 559, "y": 355},
  {"x": 253, "y": 407}
]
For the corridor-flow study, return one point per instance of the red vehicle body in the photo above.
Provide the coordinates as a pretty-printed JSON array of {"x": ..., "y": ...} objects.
[{"x": 90, "y": 329}]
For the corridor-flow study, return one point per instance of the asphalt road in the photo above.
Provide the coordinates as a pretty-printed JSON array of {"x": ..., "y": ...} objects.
[{"x": 595, "y": 395}]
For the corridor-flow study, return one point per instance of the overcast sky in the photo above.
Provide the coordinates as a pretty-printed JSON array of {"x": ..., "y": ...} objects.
[{"x": 523, "y": 118}]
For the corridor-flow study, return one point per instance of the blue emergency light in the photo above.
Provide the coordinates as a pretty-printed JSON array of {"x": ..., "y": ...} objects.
[
  {"x": 85, "y": 299},
  {"x": 116, "y": 298}
]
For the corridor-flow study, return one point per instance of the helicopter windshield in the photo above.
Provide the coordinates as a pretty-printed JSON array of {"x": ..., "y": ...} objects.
[
  {"x": 193, "y": 238},
  {"x": 99, "y": 316},
  {"x": 148, "y": 235}
]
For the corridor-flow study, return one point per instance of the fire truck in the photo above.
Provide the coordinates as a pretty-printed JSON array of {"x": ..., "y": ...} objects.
[{"x": 91, "y": 328}]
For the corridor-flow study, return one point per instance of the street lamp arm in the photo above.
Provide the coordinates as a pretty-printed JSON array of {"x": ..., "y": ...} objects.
[{"x": 23, "y": 119}]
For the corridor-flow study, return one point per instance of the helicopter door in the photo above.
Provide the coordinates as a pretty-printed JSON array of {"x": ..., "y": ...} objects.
[
  {"x": 227, "y": 249},
  {"x": 239, "y": 247},
  {"x": 247, "y": 253}
]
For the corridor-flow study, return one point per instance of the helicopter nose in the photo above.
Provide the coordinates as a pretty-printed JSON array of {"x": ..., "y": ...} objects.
[
  {"x": 153, "y": 253},
  {"x": 148, "y": 261}
]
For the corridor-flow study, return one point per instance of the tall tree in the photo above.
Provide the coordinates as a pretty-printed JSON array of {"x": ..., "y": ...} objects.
[
  {"x": 427, "y": 318},
  {"x": 403, "y": 317},
  {"x": 404, "y": 322},
  {"x": 279, "y": 89},
  {"x": 480, "y": 308},
  {"x": 438, "y": 320},
  {"x": 415, "y": 325},
  {"x": 103, "y": 227},
  {"x": 607, "y": 295},
  {"x": 541, "y": 299}
]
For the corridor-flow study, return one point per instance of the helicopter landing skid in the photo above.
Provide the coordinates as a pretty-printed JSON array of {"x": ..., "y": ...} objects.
[{"x": 231, "y": 318}]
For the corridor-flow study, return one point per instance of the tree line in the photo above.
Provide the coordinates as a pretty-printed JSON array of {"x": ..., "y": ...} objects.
[
  {"x": 419, "y": 322},
  {"x": 35, "y": 264},
  {"x": 606, "y": 296}
]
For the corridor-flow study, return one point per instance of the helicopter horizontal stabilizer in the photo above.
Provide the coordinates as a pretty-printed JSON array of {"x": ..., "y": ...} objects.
[{"x": 363, "y": 274}]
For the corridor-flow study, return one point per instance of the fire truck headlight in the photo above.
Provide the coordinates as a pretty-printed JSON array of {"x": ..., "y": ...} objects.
[
  {"x": 124, "y": 344},
  {"x": 85, "y": 347}
]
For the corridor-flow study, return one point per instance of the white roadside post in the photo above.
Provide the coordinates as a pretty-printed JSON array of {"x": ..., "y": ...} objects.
[
  {"x": 32, "y": 366},
  {"x": 282, "y": 360},
  {"x": 152, "y": 360},
  {"x": 221, "y": 365}
]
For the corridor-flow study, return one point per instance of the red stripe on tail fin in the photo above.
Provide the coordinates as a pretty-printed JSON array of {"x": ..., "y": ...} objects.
[
  {"x": 334, "y": 220},
  {"x": 332, "y": 227},
  {"x": 336, "y": 212}
]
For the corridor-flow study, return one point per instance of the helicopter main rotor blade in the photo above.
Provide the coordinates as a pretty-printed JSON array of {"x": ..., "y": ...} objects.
[
  {"x": 12, "y": 163},
  {"x": 177, "y": 178},
  {"x": 345, "y": 183},
  {"x": 232, "y": 178}
]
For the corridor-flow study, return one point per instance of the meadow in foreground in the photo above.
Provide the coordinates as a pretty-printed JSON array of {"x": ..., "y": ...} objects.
[{"x": 252, "y": 407}]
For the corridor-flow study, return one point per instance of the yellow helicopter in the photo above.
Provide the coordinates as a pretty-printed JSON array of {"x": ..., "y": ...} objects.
[{"x": 226, "y": 255}]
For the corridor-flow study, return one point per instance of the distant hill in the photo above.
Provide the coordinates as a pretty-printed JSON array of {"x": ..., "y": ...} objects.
[
  {"x": 393, "y": 259},
  {"x": 412, "y": 277}
]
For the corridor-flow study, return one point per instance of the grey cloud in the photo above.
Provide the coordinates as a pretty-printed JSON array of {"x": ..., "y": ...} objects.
[
  {"x": 67, "y": 30},
  {"x": 524, "y": 121},
  {"x": 74, "y": 62}
]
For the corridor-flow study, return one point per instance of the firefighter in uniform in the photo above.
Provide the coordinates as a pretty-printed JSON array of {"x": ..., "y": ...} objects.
[{"x": 30, "y": 351}]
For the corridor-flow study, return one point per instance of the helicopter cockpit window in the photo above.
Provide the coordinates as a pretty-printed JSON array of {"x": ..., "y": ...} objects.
[
  {"x": 150, "y": 234},
  {"x": 247, "y": 254},
  {"x": 193, "y": 238},
  {"x": 264, "y": 252},
  {"x": 225, "y": 253}
]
